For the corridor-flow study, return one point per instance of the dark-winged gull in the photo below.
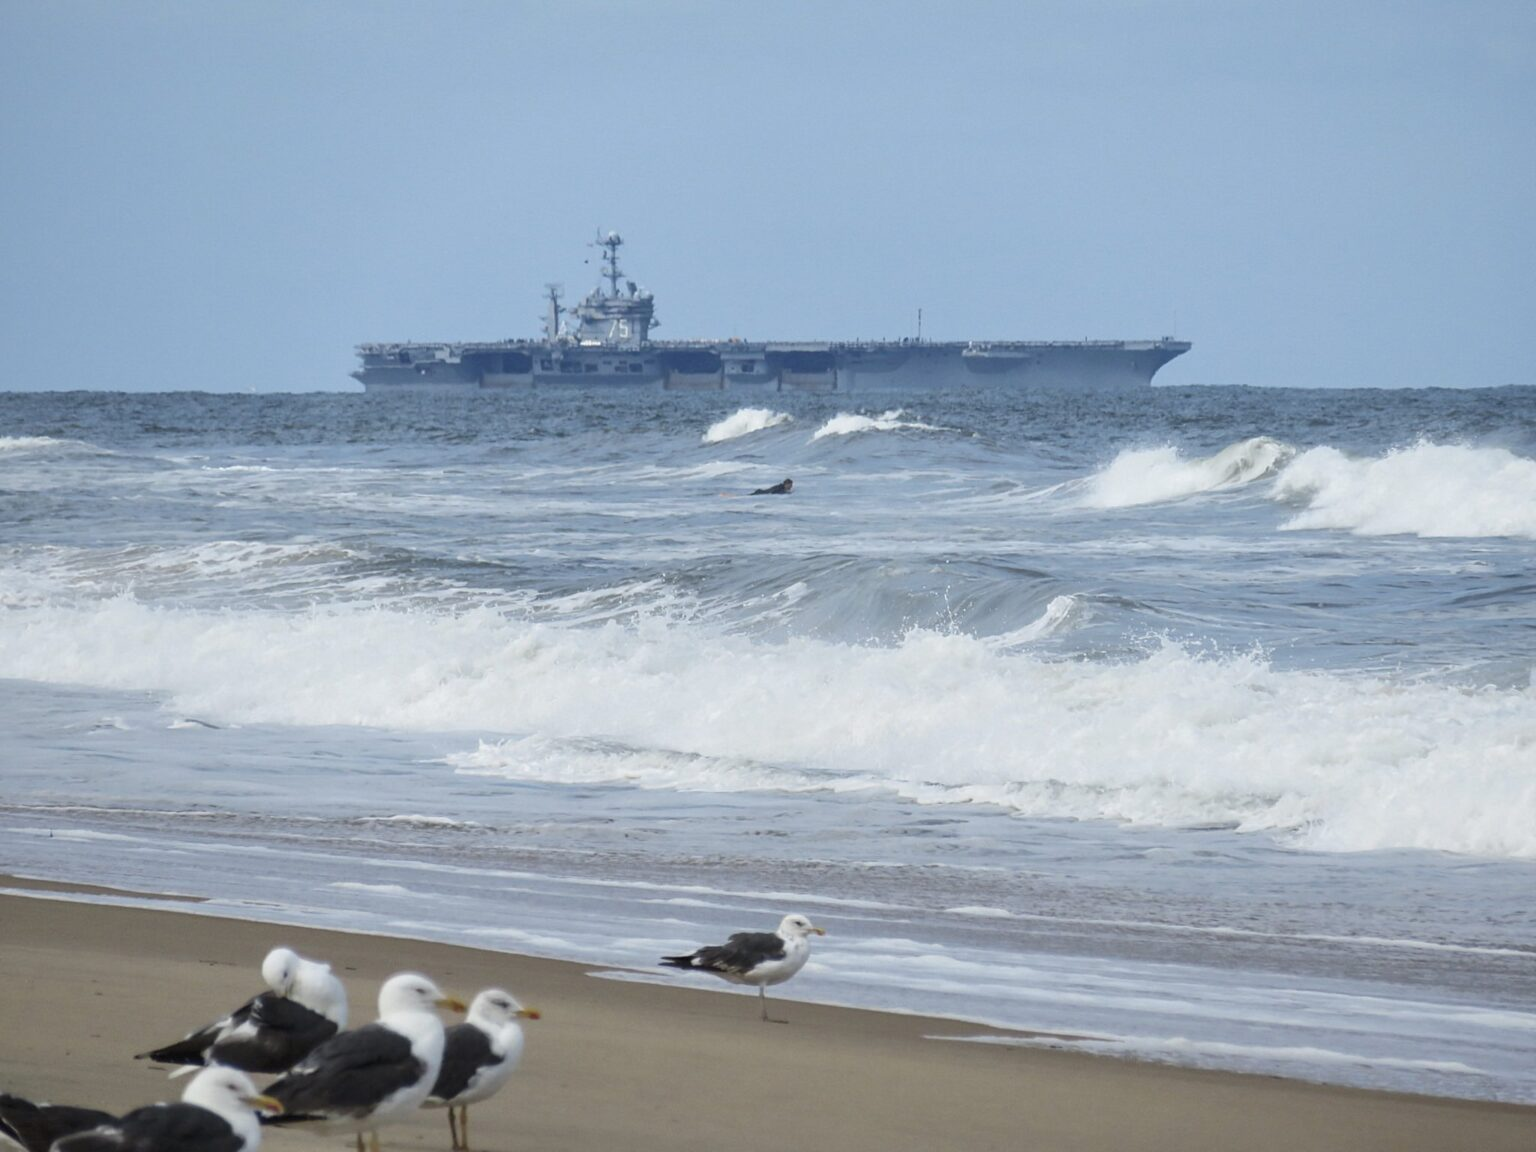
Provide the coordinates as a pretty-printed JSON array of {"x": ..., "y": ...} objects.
[
  {"x": 361, "y": 1080},
  {"x": 34, "y": 1127},
  {"x": 758, "y": 958},
  {"x": 214, "y": 1115},
  {"x": 478, "y": 1058},
  {"x": 271, "y": 1032}
]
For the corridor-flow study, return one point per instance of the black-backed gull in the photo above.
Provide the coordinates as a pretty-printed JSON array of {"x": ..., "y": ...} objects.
[
  {"x": 757, "y": 958},
  {"x": 34, "y": 1127},
  {"x": 359, "y": 1081},
  {"x": 214, "y": 1115},
  {"x": 479, "y": 1056},
  {"x": 271, "y": 1032}
]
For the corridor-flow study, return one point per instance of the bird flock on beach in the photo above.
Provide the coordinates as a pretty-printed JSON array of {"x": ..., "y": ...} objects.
[{"x": 334, "y": 1080}]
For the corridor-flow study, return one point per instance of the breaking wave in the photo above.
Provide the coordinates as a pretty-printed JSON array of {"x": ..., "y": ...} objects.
[
  {"x": 744, "y": 423},
  {"x": 1062, "y": 613},
  {"x": 1158, "y": 475},
  {"x": 1174, "y": 738},
  {"x": 1425, "y": 490},
  {"x": 23, "y": 444},
  {"x": 848, "y": 423}
]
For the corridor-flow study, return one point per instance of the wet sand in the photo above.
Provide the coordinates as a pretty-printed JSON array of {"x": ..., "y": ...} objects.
[{"x": 643, "y": 1068}]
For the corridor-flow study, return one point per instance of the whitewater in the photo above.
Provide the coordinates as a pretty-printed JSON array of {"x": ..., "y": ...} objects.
[{"x": 1194, "y": 725}]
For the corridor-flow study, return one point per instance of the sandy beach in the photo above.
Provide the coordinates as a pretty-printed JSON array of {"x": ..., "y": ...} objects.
[{"x": 642, "y": 1067}]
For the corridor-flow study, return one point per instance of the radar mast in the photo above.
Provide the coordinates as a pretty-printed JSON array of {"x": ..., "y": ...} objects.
[
  {"x": 611, "y": 244},
  {"x": 552, "y": 317}
]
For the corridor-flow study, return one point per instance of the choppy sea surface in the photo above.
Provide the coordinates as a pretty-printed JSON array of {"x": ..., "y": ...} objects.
[{"x": 1193, "y": 725}]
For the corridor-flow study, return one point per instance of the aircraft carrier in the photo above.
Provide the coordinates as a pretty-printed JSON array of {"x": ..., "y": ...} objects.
[{"x": 605, "y": 341}]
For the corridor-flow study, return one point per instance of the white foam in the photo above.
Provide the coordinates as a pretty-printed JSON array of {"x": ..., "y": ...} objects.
[
  {"x": 1179, "y": 738},
  {"x": 1425, "y": 490},
  {"x": 375, "y": 889},
  {"x": 654, "y": 599},
  {"x": 795, "y": 593},
  {"x": 1062, "y": 613},
  {"x": 226, "y": 558},
  {"x": 417, "y": 821},
  {"x": 72, "y": 571},
  {"x": 849, "y": 423},
  {"x": 1158, "y": 475},
  {"x": 1183, "y": 1050},
  {"x": 21, "y": 444},
  {"x": 981, "y": 910},
  {"x": 743, "y": 423}
]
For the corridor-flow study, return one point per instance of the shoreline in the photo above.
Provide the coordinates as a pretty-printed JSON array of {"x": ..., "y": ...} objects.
[{"x": 644, "y": 1066}]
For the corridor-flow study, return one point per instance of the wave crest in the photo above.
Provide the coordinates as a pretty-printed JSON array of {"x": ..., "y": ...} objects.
[
  {"x": 1062, "y": 613},
  {"x": 24, "y": 444},
  {"x": 1159, "y": 475},
  {"x": 1425, "y": 490},
  {"x": 744, "y": 423},
  {"x": 848, "y": 423}
]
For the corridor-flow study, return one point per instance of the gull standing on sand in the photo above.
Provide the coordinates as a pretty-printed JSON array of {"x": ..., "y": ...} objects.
[
  {"x": 271, "y": 1032},
  {"x": 214, "y": 1115},
  {"x": 361, "y": 1080},
  {"x": 479, "y": 1056},
  {"x": 759, "y": 958}
]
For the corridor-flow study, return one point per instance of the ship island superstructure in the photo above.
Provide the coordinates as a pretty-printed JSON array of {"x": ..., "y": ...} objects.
[{"x": 606, "y": 341}]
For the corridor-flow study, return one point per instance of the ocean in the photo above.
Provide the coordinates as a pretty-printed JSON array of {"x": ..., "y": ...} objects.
[{"x": 1194, "y": 725}]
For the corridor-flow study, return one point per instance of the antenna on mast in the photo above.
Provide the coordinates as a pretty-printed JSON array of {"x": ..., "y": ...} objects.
[{"x": 611, "y": 243}]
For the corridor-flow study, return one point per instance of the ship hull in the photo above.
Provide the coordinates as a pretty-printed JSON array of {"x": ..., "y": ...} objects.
[{"x": 735, "y": 366}]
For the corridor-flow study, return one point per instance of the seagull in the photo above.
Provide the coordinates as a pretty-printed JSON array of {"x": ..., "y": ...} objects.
[
  {"x": 760, "y": 958},
  {"x": 360, "y": 1080},
  {"x": 214, "y": 1115},
  {"x": 271, "y": 1032},
  {"x": 34, "y": 1127},
  {"x": 478, "y": 1058}
]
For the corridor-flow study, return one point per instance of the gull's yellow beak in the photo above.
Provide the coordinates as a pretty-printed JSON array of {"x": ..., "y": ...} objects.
[
  {"x": 528, "y": 1013},
  {"x": 263, "y": 1104},
  {"x": 819, "y": 931},
  {"x": 452, "y": 1003}
]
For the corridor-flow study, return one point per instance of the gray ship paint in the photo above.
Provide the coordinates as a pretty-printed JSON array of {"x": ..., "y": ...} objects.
[{"x": 608, "y": 344}]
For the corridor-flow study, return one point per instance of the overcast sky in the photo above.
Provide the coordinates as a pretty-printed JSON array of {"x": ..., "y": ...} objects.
[{"x": 230, "y": 196}]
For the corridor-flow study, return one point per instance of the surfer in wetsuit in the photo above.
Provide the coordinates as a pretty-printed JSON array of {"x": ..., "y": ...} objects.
[{"x": 782, "y": 488}]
